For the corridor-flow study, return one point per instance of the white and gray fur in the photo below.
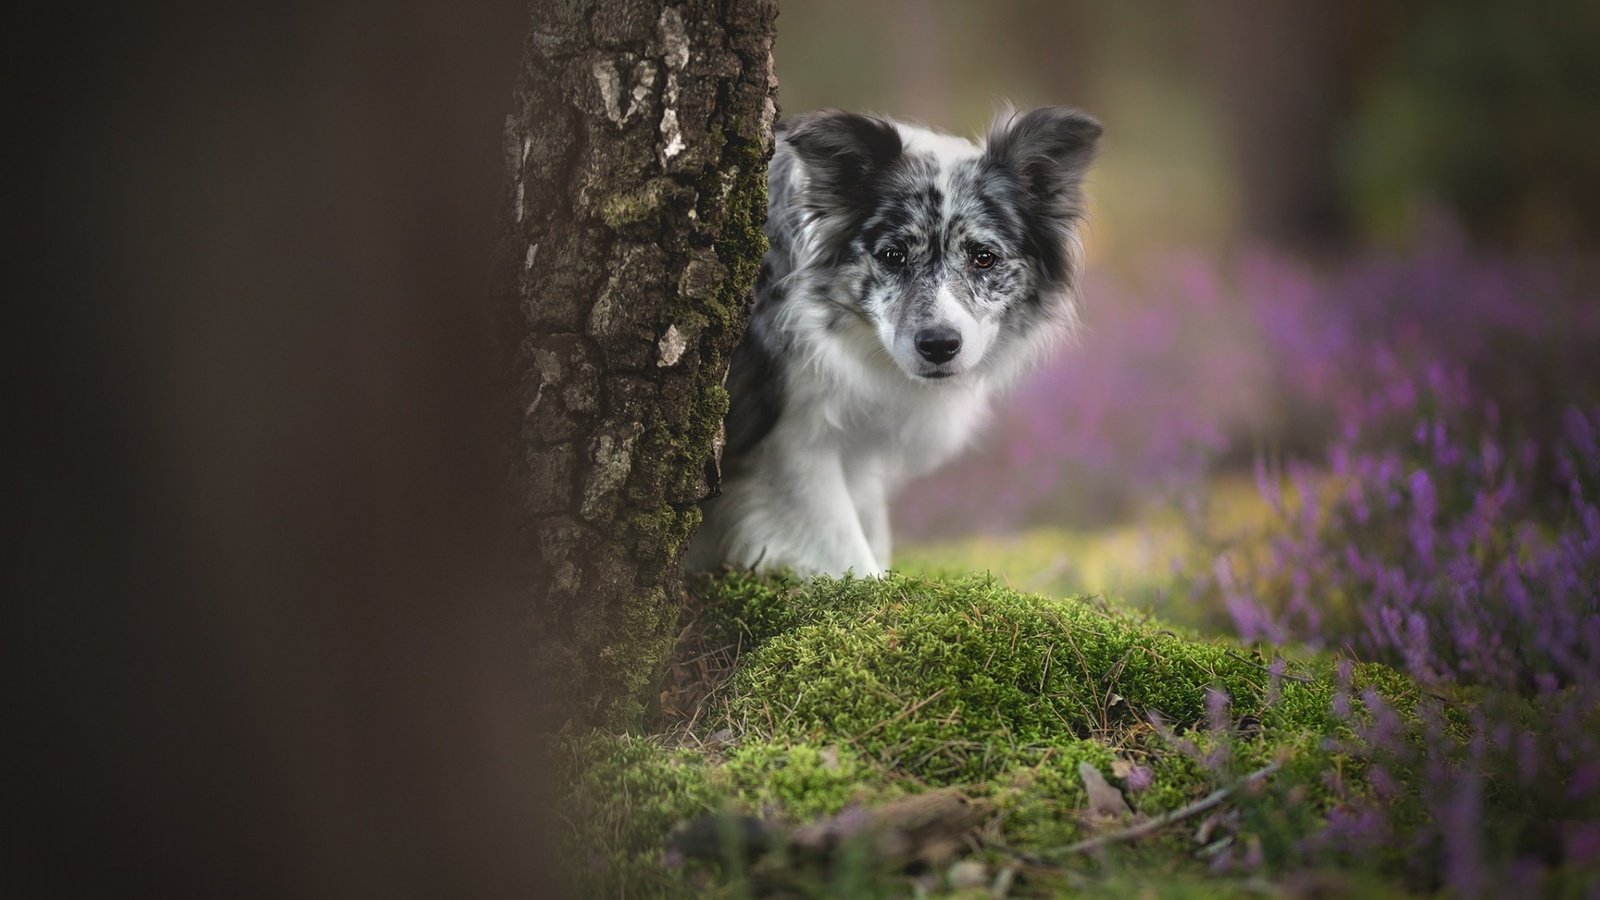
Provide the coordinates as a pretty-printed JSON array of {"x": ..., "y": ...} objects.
[{"x": 911, "y": 275}]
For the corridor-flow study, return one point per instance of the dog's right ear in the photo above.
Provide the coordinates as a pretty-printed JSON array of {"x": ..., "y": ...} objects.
[{"x": 843, "y": 152}]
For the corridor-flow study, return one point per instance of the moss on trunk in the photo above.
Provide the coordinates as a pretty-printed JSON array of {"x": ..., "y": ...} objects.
[{"x": 637, "y": 154}]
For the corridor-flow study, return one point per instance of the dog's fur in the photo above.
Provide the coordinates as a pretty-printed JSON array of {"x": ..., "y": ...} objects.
[{"x": 880, "y": 235}]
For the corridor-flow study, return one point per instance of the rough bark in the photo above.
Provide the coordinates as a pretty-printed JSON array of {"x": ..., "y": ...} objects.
[{"x": 637, "y": 154}]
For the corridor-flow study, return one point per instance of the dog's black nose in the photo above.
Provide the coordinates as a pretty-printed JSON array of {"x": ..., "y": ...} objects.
[{"x": 938, "y": 345}]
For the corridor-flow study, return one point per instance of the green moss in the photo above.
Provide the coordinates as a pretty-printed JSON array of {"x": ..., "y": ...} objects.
[
  {"x": 952, "y": 680},
  {"x": 740, "y": 187},
  {"x": 664, "y": 530},
  {"x": 631, "y": 660},
  {"x": 624, "y": 796},
  {"x": 692, "y": 447},
  {"x": 851, "y": 691},
  {"x": 748, "y": 608},
  {"x": 627, "y": 795},
  {"x": 1394, "y": 686},
  {"x": 803, "y": 780},
  {"x": 1040, "y": 801},
  {"x": 642, "y": 204}
]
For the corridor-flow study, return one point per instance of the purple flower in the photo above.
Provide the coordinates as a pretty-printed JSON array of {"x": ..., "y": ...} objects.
[{"x": 1140, "y": 778}]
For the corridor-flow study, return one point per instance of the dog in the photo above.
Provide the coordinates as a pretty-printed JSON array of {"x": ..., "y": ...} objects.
[{"x": 911, "y": 276}]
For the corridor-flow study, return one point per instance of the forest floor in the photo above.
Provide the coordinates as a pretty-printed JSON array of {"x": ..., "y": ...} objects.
[
  {"x": 947, "y": 734},
  {"x": 1052, "y": 713}
]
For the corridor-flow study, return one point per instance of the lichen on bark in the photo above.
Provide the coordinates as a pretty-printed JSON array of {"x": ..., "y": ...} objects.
[{"x": 637, "y": 155}]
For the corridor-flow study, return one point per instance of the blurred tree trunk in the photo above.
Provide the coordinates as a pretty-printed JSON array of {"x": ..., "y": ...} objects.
[
  {"x": 1280, "y": 74},
  {"x": 637, "y": 157}
]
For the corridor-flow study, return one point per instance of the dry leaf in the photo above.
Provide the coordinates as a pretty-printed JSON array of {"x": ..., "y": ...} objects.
[{"x": 1104, "y": 800}]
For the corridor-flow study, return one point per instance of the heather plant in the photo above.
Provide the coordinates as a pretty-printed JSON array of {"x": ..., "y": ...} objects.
[
  {"x": 1444, "y": 553},
  {"x": 1436, "y": 555},
  {"x": 1449, "y": 526},
  {"x": 1495, "y": 795}
]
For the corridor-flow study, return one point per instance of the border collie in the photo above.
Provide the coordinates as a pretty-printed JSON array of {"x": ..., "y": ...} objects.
[{"x": 911, "y": 276}]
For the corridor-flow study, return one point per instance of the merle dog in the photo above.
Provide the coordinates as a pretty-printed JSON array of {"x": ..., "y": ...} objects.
[{"x": 911, "y": 276}]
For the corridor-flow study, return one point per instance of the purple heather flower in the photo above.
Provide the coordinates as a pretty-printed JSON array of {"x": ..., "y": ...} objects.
[
  {"x": 1341, "y": 705},
  {"x": 1217, "y": 709},
  {"x": 1140, "y": 778},
  {"x": 1463, "y": 838}
]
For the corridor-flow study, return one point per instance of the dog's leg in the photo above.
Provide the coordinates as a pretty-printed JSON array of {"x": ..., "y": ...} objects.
[
  {"x": 822, "y": 520},
  {"x": 870, "y": 495},
  {"x": 795, "y": 511}
]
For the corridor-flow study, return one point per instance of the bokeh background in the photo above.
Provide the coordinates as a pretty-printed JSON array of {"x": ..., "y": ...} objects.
[
  {"x": 1317, "y": 125},
  {"x": 1298, "y": 206}
]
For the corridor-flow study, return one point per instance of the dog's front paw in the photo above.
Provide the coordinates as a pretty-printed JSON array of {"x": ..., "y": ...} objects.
[
  {"x": 808, "y": 562},
  {"x": 871, "y": 571}
]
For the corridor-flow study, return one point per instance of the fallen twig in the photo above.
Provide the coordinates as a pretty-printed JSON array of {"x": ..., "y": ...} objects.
[
  {"x": 1268, "y": 669},
  {"x": 902, "y": 713},
  {"x": 1210, "y": 800}
]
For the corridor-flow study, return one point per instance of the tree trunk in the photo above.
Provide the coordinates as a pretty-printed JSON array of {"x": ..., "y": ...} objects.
[
  {"x": 1280, "y": 75},
  {"x": 637, "y": 154}
]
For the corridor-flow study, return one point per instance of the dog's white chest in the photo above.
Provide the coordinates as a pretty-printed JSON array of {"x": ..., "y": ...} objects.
[{"x": 909, "y": 432}]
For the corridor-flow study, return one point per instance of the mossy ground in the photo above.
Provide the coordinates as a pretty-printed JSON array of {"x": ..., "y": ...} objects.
[{"x": 844, "y": 693}]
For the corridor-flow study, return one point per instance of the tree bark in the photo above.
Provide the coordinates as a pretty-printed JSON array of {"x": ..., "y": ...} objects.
[{"x": 637, "y": 156}]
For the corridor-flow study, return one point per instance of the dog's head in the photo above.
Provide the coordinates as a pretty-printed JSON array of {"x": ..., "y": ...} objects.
[{"x": 944, "y": 249}]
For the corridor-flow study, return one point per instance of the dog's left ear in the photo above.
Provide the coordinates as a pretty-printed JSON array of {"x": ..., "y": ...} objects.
[{"x": 1050, "y": 150}]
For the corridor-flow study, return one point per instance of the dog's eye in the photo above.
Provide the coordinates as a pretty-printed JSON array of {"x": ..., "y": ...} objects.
[
  {"x": 983, "y": 259},
  {"x": 894, "y": 257}
]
